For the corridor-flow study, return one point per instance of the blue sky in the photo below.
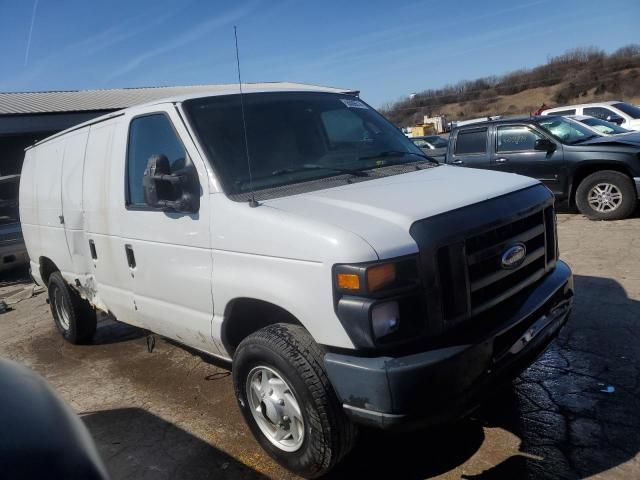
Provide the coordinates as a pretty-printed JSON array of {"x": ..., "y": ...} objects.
[{"x": 385, "y": 49}]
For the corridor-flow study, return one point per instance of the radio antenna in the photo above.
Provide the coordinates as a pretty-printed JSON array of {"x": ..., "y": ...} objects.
[{"x": 252, "y": 200}]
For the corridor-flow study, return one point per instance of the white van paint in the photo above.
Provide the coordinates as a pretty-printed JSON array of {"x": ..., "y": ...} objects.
[
  {"x": 182, "y": 274},
  {"x": 190, "y": 267}
]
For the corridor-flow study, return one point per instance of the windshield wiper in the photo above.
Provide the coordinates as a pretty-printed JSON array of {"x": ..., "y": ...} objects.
[
  {"x": 302, "y": 168},
  {"x": 313, "y": 166},
  {"x": 397, "y": 153}
]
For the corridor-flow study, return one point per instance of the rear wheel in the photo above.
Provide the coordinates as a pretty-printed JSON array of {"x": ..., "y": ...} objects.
[
  {"x": 606, "y": 195},
  {"x": 287, "y": 401},
  {"x": 74, "y": 317}
]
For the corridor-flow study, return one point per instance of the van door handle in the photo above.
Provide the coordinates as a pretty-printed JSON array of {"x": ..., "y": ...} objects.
[
  {"x": 92, "y": 248},
  {"x": 458, "y": 162},
  {"x": 501, "y": 160},
  {"x": 131, "y": 258}
]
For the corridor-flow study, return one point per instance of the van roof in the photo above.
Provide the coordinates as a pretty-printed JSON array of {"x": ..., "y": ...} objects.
[{"x": 209, "y": 91}]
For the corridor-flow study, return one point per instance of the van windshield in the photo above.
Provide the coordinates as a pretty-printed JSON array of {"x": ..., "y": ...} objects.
[{"x": 295, "y": 137}]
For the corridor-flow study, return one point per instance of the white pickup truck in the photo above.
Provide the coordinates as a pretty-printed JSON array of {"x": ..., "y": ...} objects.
[{"x": 349, "y": 279}]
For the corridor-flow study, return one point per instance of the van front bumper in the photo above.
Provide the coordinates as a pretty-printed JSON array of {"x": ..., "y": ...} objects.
[{"x": 448, "y": 382}]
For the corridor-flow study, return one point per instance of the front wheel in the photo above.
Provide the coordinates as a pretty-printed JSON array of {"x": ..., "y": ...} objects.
[
  {"x": 287, "y": 401},
  {"x": 606, "y": 195}
]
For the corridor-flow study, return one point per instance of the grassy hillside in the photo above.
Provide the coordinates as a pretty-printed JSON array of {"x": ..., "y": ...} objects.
[{"x": 578, "y": 76}]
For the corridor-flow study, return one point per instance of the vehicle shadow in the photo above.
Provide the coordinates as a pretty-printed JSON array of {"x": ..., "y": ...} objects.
[
  {"x": 134, "y": 443},
  {"x": 111, "y": 331},
  {"x": 574, "y": 411},
  {"x": 413, "y": 455}
]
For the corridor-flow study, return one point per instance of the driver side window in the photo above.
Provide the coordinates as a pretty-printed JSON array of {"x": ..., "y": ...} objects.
[
  {"x": 150, "y": 135},
  {"x": 516, "y": 138}
]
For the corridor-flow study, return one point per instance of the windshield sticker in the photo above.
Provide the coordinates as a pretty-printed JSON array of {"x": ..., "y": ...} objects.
[{"x": 353, "y": 103}]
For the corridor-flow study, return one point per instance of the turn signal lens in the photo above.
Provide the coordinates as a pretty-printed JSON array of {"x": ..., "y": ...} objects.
[
  {"x": 380, "y": 276},
  {"x": 348, "y": 281}
]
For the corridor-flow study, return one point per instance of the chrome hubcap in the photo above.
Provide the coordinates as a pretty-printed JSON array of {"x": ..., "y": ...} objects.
[
  {"x": 61, "y": 308},
  {"x": 605, "y": 197},
  {"x": 275, "y": 408}
]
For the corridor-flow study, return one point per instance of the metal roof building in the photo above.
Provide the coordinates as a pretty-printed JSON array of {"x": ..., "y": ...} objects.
[{"x": 26, "y": 117}]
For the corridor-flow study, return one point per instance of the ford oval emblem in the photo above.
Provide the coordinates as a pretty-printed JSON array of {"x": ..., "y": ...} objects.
[{"x": 513, "y": 256}]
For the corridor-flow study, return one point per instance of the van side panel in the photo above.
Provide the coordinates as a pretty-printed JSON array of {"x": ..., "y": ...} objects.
[
  {"x": 48, "y": 174},
  {"x": 97, "y": 177},
  {"x": 72, "y": 173},
  {"x": 113, "y": 289},
  {"x": 29, "y": 211}
]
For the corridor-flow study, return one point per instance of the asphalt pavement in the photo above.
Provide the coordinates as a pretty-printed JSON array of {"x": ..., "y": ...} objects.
[{"x": 575, "y": 413}]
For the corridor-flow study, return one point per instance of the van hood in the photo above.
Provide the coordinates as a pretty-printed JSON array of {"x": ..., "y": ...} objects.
[{"x": 381, "y": 211}]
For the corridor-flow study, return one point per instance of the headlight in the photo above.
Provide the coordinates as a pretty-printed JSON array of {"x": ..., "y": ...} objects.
[
  {"x": 380, "y": 276},
  {"x": 373, "y": 278},
  {"x": 380, "y": 303},
  {"x": 369, "y": 279}
]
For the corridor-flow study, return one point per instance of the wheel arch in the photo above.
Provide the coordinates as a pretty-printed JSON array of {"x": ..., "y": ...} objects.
[
  {"x": 47, "y": 267},
  {"x": 582, "y": 171},
  {"x": 244, "y": 316}
]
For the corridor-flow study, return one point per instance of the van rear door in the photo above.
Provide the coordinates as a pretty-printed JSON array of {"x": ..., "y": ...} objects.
[{"x": 48, "y": 173}]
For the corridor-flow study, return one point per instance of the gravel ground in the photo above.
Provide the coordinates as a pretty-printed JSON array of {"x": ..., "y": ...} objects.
[{"x": 171, "y": 414}]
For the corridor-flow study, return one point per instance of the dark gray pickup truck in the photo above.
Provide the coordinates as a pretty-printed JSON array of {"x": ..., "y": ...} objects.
[{"x": 598, "y": 174}]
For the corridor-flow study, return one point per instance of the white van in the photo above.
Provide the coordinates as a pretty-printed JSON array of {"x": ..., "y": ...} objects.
[{"x": 350, "y": 279}]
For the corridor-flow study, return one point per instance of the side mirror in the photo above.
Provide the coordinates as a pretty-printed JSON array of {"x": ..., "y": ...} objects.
[
  {"x": 178, "y": 191},
  {"x": 617, "y": 119},
  {"x": 544, "y": 145}
]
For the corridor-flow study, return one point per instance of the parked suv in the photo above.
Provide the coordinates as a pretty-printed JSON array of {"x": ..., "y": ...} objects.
[
  {"x": 621, "y": 113},
  {"x": 598, "y": 174},
  {"x": 349, "y": 279}
]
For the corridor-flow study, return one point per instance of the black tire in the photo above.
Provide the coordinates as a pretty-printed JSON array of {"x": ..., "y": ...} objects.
[
  {"x": 621, "y": 182},
  {"x": 291, "y": 352},
  {"x": 79, "y": 326}
]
